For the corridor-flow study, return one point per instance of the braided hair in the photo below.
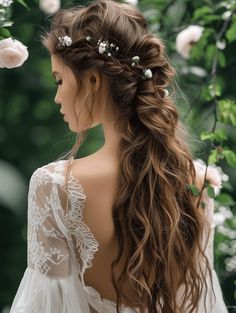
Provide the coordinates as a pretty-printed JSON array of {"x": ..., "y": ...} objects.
[{"x": 159, "y": 228}]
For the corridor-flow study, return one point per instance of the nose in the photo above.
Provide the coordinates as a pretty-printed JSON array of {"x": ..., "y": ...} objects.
[{"x": 57, "y": 98}]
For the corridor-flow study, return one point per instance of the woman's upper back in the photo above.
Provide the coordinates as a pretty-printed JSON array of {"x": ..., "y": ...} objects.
[{"x": 96, "y": 180}]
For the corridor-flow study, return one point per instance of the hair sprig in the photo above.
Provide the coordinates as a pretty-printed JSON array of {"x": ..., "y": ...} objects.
[
  {"x": 64, "y": 41},
  {"x": 104, "y": 47}
]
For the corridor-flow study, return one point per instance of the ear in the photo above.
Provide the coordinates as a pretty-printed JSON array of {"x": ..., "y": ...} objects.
[{"x": 95, "y": 80}]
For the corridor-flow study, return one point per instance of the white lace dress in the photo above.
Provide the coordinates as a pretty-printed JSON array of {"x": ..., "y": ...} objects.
[{"x": 61, "y": 247}]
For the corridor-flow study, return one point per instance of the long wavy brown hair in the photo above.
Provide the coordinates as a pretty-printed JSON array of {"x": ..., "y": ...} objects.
[{"x": 158, "y": 225}]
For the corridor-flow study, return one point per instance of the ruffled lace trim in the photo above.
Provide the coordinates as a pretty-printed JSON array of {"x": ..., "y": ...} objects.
[{"x": 89, "y": 244}]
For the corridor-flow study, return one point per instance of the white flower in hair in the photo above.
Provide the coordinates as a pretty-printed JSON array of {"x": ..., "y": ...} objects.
[
  {"x": 65, "y": 41},
  {"x": 147, "y": 73},
  {"x": 166, "y": 92},
  {"x": 102, "y": 47}
]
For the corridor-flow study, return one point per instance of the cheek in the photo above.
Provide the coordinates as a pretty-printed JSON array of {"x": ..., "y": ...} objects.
[{"x": 83, "y": 115}]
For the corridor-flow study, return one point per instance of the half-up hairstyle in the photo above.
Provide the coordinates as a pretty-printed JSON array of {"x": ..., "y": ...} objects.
[{"x": 158, "y": 225}]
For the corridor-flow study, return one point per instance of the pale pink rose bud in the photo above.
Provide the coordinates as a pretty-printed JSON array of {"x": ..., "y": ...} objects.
[
  {"x": 186, "y": 38},
  {"x": 49, "y": 6},
  {"x": 12, "y": 53},
  {"x": 215, "y": 174}
]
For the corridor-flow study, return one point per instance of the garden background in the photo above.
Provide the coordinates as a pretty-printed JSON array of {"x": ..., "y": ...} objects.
[{"x": 32, "y": 132}]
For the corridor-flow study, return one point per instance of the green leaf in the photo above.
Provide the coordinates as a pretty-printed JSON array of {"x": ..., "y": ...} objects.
[
  {"x": 221, "y": 59},
  {"x": 210, "y": 191},
  {"x": 207, "y": 136},
  {"x": 224, "y": 198},
  {"x": 232, "y": 118},
  {"x": 230, "y": 157},
  {"x": 22, "y": 2},
  {"x": 193, "y": 189},
  {"x": 213, "y": 157},
  {"x": 200, "y": 12},
  {"x": 231, "y": 32},
  {"x": 210, "y": 52},
  {"x": 220, "y": 135},
  {"x": 5, "y": 33},
  {"x": 215, "y": 90},
  {"x": 211, "y": 18},
  {"x": 227, "y": 112}
]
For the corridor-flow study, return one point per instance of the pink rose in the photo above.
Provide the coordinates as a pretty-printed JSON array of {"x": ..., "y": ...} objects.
[
  {"x": 186, "y": 38},
  {"x": 215, "y": 174},
  {"x": 12, "y": 53}
]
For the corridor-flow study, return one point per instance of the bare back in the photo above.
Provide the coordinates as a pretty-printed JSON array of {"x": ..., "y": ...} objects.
[{"x": 99, "y": 178}]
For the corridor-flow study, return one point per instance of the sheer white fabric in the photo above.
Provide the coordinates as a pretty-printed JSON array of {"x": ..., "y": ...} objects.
[{"x": 61, "y": 247}]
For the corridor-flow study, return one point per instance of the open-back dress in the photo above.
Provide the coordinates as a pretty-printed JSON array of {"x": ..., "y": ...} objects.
[{"x": 60, "y": 247}]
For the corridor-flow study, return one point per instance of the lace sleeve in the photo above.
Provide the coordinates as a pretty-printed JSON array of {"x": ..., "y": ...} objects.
[{"x": 49, "y": 283}]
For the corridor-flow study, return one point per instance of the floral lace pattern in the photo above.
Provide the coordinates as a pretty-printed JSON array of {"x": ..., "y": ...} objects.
[{"x": 50, "y": 244}]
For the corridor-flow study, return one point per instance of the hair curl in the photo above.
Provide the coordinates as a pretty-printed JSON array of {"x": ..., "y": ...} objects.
[{"x": 158, "y": 225}]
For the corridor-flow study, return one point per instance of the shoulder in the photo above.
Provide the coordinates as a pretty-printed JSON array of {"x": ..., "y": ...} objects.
[
  {"x": 51, "y": 172},
  {"x": 96, "y": 174},
  {"x": 48, "y": 185}
]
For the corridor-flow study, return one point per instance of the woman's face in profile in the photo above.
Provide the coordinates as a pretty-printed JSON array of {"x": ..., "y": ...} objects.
[{"x": 75, "y": 111}]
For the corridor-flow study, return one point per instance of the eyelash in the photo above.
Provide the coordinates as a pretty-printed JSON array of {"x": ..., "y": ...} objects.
[{"x": 59, "y": 82}]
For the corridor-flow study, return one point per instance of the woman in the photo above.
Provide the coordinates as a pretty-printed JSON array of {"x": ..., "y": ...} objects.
[{"x": 141, "y": 241}]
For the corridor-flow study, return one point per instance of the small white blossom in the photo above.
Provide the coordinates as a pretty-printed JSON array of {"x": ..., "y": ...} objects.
[
  {"x": 166, "y": 92},
  {"x": 231, "y": 234},
  {"x": 226, "y": 15},
  {"x": 65, "y": 41},
  {"x": 133, "y": 2},
  {"x": 102, "y": 47},
  {"x": 223, "y": 247},
  {"x": 6, "y": 3},
  {"x": 49, "y": 6},
  {"x": 186, "y": 38},
  {"x": 219, "y": 218},
  {"x": 221, "y": 44},
  {"x": 148, "y": 73},
  {"x": 195, "y": 70},
  {"x": 230, "y": 263}
]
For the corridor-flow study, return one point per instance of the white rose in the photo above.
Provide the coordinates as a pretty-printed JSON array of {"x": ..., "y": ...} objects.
[
  {"x": 12, "y": 53},
  {"x": 49, "y": 6},
  {"x": 6, "y": 3},
  {"x": 186, "y": 38},
  {"x": 133, "y": 2}
]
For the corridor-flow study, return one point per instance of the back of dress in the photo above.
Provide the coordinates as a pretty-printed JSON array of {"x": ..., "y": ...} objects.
[{"x": 61, "y": 247}]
